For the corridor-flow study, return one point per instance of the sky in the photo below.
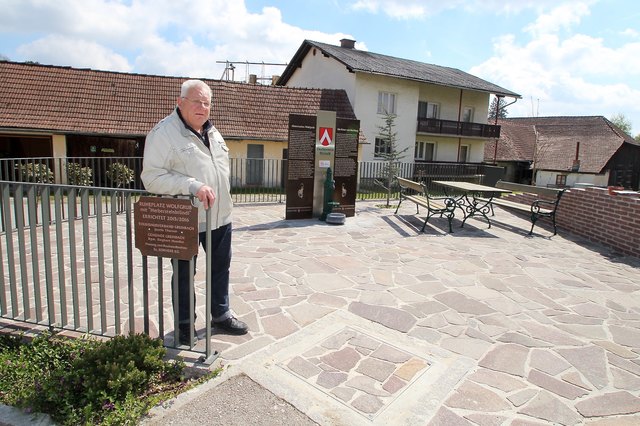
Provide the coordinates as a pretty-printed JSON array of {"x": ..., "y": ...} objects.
[{"x": 569, "y": 58}]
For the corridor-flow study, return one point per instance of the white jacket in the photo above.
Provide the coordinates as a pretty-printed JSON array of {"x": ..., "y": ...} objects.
[{"x": 177, "y": 162}]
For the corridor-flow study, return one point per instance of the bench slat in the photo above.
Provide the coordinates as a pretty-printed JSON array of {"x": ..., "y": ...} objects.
[
  {"x": 418, "y": 200},
  {"x": 534, "y": 207},
  {"x": 416, "y": 186},
  {"x": 421, "y": 197},
  {"x": 530, "y": 189},
  {"x": 516, "y": 205}
]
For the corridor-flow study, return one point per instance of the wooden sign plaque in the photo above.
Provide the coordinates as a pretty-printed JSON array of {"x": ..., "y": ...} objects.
[{"x": 166, "y": 227}]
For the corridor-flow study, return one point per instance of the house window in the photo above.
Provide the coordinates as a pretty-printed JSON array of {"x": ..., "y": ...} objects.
[
  {"x": 428, "y": 110},
  {"x": 561, "y": 181},
  {"x": 464, "y": 154},
  {"x": 425, "y": 151},
  {"x": 386, "y": 103},
  {"x": 467, "y": 115},
  {"x": 382, "y": 147}
]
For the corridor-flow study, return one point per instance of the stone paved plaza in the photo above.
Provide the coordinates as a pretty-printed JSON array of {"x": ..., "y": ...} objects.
[
  {"x": 372, "y": 322},
  {"x": 375, "y": 323}
]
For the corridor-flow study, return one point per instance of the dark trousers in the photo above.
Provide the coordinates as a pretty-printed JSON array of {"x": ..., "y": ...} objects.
[{"x": 220, "y": 263}]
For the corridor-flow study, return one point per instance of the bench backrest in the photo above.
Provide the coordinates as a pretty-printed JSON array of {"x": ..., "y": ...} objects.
[
  {"x": 406, "y": 183},
  {"x": 540, "y": 190}
]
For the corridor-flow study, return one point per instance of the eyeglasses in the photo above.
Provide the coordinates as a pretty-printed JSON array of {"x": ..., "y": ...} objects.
[{"x": 204, "y": 104}]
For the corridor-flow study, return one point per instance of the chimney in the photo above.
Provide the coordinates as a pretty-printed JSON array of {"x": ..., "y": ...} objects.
[
  {"x": 576, "y": 162},
  {"x": 253, "y": 79},
  {"x": 347, "y": 44}
]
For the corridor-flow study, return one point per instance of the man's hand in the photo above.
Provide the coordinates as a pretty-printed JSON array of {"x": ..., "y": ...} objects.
[{"x": 206, "y": 195}]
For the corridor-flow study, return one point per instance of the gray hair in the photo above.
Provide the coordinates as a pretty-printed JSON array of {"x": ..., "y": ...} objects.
[{"x": 191, "y": 84}]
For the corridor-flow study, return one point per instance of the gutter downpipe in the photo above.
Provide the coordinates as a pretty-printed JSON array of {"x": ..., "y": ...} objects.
[{"x": 459, "y": 128}]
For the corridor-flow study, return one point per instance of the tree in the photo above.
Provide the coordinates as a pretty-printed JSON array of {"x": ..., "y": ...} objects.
[
  {"x": 542, "y": 150},
  {"x": 500, "y": 103},
  {"x": 390, "y": 153},
  {"x": 622, "y": 122}
]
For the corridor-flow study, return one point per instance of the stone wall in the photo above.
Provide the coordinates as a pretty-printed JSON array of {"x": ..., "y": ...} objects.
[{"x": 593, "y": 213}]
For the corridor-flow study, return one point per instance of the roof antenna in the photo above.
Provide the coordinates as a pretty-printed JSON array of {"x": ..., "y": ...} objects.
[
  {"x": 537, "y": 109},
  {"x": 228, "y": 73},
  {"x": 228, "y": 69}
]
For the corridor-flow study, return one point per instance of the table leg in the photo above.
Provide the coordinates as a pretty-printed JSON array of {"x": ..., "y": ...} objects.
[
  {"x": 474, "y": 207},
  {"x": 460, "y": 202}
]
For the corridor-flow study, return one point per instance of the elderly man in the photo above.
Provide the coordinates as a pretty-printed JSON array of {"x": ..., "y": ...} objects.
[{"x": 184, "y": 154}]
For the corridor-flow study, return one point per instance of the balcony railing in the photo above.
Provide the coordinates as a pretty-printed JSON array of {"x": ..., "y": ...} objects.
[{"x": 457, "y": 128}]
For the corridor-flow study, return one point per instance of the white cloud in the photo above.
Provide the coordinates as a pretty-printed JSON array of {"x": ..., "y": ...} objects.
[
  {"x": 100, "y": 20},
  {"x": 253, "y": 38},
  {"x": 563, "y": 16},
  {"x": 631, "y": 33},
  {"x": 57, "y": 49},
  {"x": 159, "y": 37},
  {"x": 177, "y": 59},
  {"x": 400, "y": 9},
  {"x": 418, "y": 9},
  {"x": 571, "y": 75}
]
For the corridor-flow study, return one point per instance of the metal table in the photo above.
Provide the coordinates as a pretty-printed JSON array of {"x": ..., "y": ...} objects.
[{"x": 473, "y": 199}]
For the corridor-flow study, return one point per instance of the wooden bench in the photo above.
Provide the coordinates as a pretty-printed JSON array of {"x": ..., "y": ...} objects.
[
  {"x": 538, "y": 207},
  {"x": 436, "y": 206}
]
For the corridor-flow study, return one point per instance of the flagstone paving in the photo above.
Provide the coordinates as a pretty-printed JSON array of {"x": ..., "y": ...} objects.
[
  {"x": 372, "y": 322},
  {"x": 375, "y": 323}
]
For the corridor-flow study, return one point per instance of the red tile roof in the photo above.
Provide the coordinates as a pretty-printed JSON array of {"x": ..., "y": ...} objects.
[
  {"x": 514, "y": 143},
  {"x": 71, "y": 100},
  {"x": 557, "y": 142}
]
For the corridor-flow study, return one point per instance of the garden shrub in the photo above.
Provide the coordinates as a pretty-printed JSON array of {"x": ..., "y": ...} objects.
[
  {"x": 86, "y": 381},
  {"x": 119, "y": 174},
  {"x": 78, "y": 175},
  {"x": 34, "y": 172}
]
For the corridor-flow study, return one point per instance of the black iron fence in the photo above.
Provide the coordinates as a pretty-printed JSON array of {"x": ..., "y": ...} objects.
[{"x": 252, "y": 180}]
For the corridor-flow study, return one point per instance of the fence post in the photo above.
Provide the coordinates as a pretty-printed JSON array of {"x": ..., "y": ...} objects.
[{"x": 209, "y": 357}]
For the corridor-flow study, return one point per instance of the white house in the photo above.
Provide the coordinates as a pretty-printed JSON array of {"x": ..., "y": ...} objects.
[{"x": 441, "y": 112}]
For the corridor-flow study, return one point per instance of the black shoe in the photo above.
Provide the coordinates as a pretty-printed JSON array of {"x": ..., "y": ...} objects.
[
  {"x": 184, "y": 335},
  {"x": 231, "y": 325}
]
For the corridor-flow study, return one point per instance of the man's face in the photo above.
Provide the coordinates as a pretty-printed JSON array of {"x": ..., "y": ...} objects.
[{"x": 195, "y": 107}]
